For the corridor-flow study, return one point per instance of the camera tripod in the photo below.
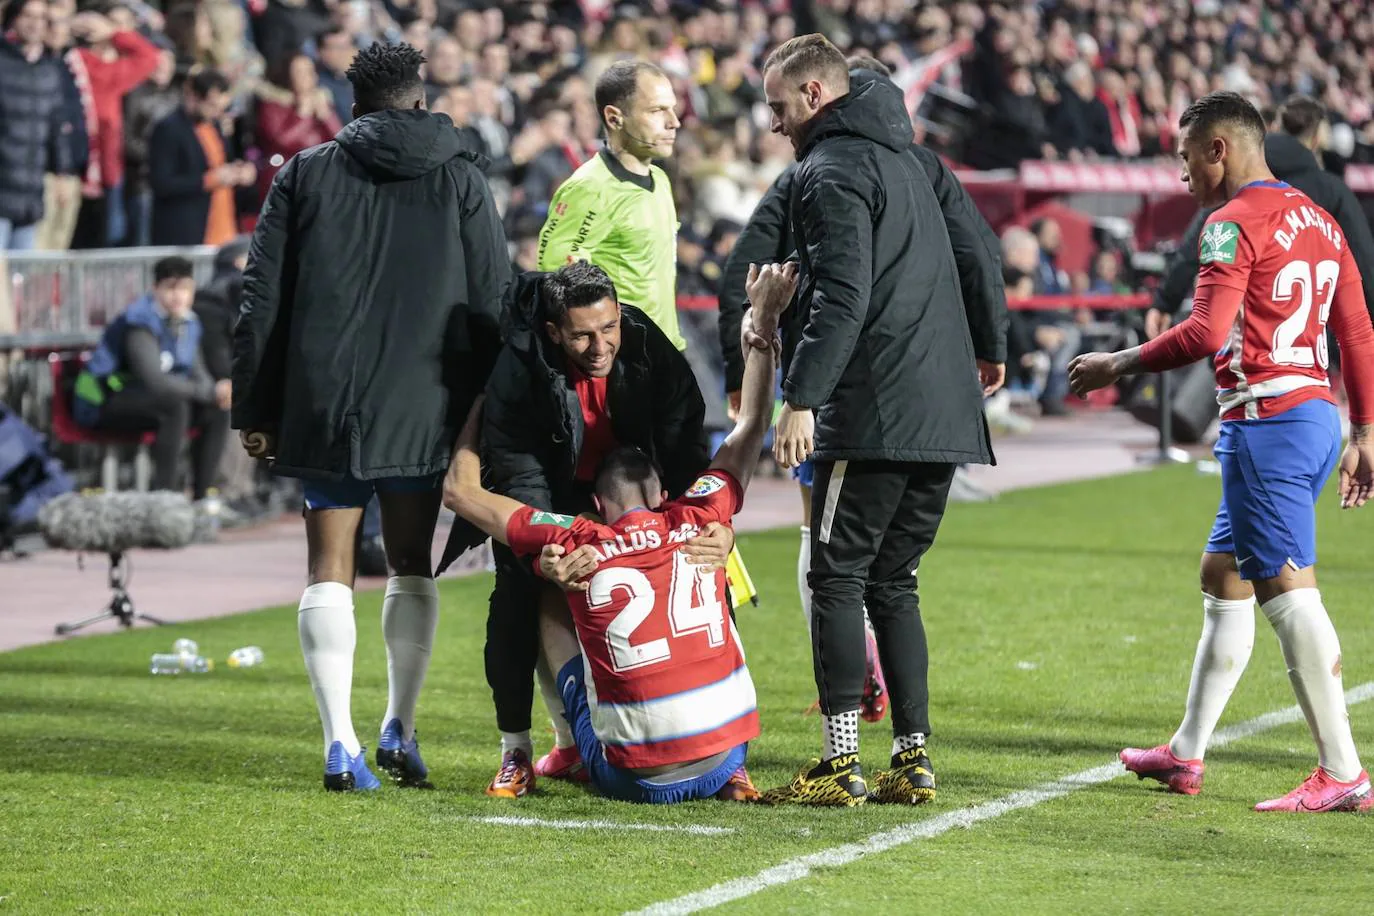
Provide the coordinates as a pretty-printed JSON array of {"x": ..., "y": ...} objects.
[{"x": 121, "y": 606}]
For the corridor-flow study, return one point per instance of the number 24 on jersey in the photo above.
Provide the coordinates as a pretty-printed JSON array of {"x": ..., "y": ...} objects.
[{"x": 694, "y": 606}]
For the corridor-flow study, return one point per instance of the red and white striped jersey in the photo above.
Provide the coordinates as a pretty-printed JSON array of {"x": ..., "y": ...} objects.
[
  {"x": 1289, "y": 258},
  {"x": 666, "y": 677}
]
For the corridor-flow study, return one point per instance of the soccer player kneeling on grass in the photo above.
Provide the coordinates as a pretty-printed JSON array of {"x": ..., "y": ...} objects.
[
  {"x": 650, "y": 668},
  {"x": 1267, "y": 256}
]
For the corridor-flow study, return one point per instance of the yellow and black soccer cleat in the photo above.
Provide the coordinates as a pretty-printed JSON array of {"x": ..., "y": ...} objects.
[
  {"x": 911, "y": 781},
  {"x": 834, "y": 783}
]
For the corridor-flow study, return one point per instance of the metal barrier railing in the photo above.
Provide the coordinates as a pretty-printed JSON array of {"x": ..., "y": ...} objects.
[{"x": 61, "y": 299}]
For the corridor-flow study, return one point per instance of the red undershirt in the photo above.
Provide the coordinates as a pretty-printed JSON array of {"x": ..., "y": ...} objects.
[{"x": 598, "y": 435}]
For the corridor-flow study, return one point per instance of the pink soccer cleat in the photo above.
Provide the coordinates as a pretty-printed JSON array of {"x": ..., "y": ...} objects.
[
  {"x": 1320, "y": 792},
  {"x": 562, "y": 763},
  {"x": 1181, "y": 776},
  {"x": 873, "y": 704}
]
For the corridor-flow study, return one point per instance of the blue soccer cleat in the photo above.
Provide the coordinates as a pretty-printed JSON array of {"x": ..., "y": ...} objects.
[
  {"x": 401, "y": 758},
  {"x": 348, "y": 774}
]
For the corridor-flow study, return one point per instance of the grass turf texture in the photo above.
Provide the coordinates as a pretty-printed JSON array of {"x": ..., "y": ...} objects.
[{"x": 1062, "y": 623}]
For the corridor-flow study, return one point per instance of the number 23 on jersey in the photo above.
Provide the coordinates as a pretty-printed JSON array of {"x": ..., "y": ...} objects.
[{"x": 1297, "y": 286}]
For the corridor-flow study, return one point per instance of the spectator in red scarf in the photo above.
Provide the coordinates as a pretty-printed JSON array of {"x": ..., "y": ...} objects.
[
  {"x": 1123, "y": 111},
  {"x": 111, "y": 59},
  {"x": 294, "y": 113}
]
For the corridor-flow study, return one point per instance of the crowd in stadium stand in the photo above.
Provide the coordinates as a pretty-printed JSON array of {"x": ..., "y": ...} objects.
[{"x": 995, "y": 83}]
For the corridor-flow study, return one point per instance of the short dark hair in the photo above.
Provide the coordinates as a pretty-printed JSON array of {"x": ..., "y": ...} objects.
[
  {"x": 1300, "y": 116},
  {"x": 573, "y": 286},
  {"x": 203, "y": 82},
  {"x": 865, "y": 62},
  {"x": 1216, "y": 109},
  {"x": 809, "y": 57},
  {"x": 627, "y": 469},
  {"x": 334, "y": 30},
  {"x": 386, "y": 76},
  {"x": 173, "y": 268},
  {"x": 618, "y": 83}
]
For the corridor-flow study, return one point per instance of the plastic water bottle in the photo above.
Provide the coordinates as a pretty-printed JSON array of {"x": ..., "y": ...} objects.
[
  {"x": 247, "y": 657},
  {"x": 212, "y": 504},
  {"x": 186, "y": 647},
  {"x": 171, "y": 663}
]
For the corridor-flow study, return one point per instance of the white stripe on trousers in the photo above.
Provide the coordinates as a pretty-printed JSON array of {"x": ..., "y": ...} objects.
[{"x": 832, "y": 499}]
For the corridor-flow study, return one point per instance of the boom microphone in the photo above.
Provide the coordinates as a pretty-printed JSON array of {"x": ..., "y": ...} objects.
[{"x": 116, "y": 522}]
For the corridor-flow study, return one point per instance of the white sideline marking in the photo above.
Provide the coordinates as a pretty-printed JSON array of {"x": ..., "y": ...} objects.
[
  {"x": 509, "y": 821},
  {"x": 800, "y": 867}
]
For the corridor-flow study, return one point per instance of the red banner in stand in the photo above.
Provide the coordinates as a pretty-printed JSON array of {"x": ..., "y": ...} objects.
[{"x": 1101, "y": 303}]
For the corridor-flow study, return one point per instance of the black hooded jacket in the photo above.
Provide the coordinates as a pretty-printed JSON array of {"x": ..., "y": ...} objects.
[
  {"x": 532, "y": 424},
  {"x": 885, "y": 356},
  {"x": 371, "y": 301},
  {"x": 1294, "y": 163},
  {"x": 768, "y": 239}
]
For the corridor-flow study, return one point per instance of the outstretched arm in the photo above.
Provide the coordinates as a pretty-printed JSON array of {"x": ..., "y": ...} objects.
[
  {"x": 463, "y": 492},
  {"x": 1226, "y": 261},
  {"x": 770, "y": 290}
]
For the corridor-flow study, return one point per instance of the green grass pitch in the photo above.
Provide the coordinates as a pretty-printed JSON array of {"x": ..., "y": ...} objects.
[{"x": 1062, "y": 624}]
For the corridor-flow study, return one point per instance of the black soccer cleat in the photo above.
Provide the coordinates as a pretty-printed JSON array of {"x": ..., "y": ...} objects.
[
  {"x": 911, "y": 781},
  {"x": 834, "y": 783}
]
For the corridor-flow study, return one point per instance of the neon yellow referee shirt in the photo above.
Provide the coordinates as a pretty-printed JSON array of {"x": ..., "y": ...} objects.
[{"x": 624, "y": 223}]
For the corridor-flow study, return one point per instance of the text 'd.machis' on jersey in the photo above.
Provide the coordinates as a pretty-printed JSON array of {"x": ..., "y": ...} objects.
[
  {"x": 666, "y": 678},
  {"x": 1288, "y": 257}
]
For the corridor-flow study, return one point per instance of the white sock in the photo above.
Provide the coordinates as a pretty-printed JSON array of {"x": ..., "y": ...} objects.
[
  {"x": 804, "y": 567},
  {"x": 410, "y": 614},
  {"x": 1313, "y": 654},
  {"x": 516, "y": 741},
  {"x": 1228, "y": 635},
  {"x": 902, "y": 743},
  {"x": 328, "y": 637},
  {"x": 553, "y": 701},
  {"x": 840, "y": 734}
]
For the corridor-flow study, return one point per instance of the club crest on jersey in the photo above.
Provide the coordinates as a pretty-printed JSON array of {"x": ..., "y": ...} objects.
[
  {"x": 550, "y": 518},
  {"x": 705, "y": 486},
  {"x": 1219, "y": 241}
]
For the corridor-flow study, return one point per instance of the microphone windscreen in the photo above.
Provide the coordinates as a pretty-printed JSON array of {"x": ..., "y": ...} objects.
[{"x": 116, "y": 522}]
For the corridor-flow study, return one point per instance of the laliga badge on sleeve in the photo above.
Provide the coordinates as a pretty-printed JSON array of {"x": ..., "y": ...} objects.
[
  {"x": 550, "y": 518},
  {"x": 705, "y": 486}
]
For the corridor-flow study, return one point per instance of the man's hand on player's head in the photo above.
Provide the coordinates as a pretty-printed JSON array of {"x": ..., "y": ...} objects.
[
  {"x": 795, "y": 438},
  {"x": 569, "y": 571},
  {"x": 991, "y": 376},
  {"x": 711, "y": 548},
  {"x": 1092, "y": 371},
  {"x": 1357, "y": 468}
]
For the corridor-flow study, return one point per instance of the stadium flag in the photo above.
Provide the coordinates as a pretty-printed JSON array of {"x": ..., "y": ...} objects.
[{"x": 741, "y": 586}]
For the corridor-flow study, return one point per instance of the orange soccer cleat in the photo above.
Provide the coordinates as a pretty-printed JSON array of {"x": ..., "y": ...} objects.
[
  {"x": 515, "y": 779},
  {"x": 739, "y": 788}
]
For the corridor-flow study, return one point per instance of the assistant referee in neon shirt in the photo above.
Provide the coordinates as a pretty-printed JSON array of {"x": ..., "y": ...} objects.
[{"x": 617, "y": 210}]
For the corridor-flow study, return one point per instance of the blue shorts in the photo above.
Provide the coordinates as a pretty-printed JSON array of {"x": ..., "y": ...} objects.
[
  {"x": 622, "y": 785},
  {"x": 1272, "y": 472},
  {"x": 804, "y": 473},
  {"x": 351, "y": 493}
]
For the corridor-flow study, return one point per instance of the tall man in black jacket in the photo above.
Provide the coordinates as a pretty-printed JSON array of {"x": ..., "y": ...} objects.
[
  {"x": 883, "y": 388},
  {"x": 768, "y": 238},
  {"x": 368, "y": 326},
  {"x": 580, "y": 375}
]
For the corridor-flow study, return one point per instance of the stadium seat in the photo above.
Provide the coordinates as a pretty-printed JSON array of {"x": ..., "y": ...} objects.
[{"x": 66, "y": 430}]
